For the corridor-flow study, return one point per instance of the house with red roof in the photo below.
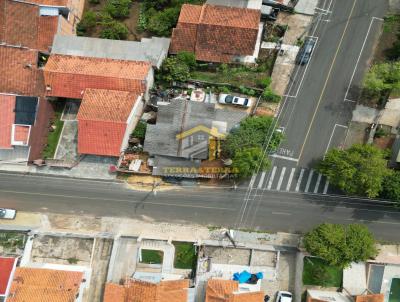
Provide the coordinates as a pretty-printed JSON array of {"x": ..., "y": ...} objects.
[
  {"x": 7, "y": 265},
  {"x": 106, "y": 118},
  {"x": 217, "y": 33},
  {"x": 219, "y": 290},
  {"x": 31, "y": 25}
]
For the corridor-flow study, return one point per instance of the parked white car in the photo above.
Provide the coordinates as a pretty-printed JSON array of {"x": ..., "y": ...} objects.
[
  {"x": 234, "y": 100},
  {"x": 284, "y": 297},
  {"x": 7, "y": 213}
]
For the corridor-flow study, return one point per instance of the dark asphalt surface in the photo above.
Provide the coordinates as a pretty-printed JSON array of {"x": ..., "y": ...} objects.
[
  {"x": 310, "y": 118},
  {"x": 276, "y": 211}
]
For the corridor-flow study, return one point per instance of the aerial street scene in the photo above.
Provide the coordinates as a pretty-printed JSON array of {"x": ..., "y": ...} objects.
[{"x": 199, "y": 150}]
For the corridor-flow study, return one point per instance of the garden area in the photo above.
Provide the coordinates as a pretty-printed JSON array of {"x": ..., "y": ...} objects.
[
  {"x": 152, "y": 256},
  {"x": 317, "y": 272},
  {"x": 185, "y": 255},
  {"x": 130, "y": 19},
  {"x": 55, "y": 131},
  {"x": 11, "y": 243}
]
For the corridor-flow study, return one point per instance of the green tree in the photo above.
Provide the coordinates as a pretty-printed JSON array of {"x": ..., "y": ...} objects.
[
  {"x": 162, "y": 22},
  {"x": 118, "y": 8},
  {"x": 359, "y": 170},
  {"x": 247, "y": 160},
  {"x": 173, "y": 69},
  {"x": 383, "y": 77},
  {"x": 391, "y": 187},
  {"x": 140, "y": 130},
  {"x": 88, "y": 22},
  {"x": 114, "y": 30},
  {"x": 187, "y": 58},
  {"x": 341, "y": 245},
  {"x": 252, "y": 132}
]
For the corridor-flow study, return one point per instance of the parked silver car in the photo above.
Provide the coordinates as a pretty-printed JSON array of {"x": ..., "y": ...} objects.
[
  {"x": 7, "y": 213},
  {"x": 234, "y": 100}
]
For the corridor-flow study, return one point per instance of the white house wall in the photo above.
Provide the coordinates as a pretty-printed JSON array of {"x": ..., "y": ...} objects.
[{"x": 132, "y": 121}]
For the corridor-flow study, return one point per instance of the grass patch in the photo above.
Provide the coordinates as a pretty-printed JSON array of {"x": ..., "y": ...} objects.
[
  {"x": 11, "y": 241},
  {"x": 185, "y": 255},
  {"x": 237, "y": 75},
  {"x": 54, "y": 136},
  {"x": 317, "y": 272},
  {"x": 152, "y": 256}
]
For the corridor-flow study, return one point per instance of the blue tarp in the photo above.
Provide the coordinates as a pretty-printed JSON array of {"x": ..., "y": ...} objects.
[{"x": 245, "y": 276}]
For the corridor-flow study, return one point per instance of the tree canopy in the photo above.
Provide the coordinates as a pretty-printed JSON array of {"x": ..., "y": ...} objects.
[
  {"x": 177, "y": 68},
  {"x": 383, "y": 77},
  {"x": 359, "y": 170},
  {"x": 391, "y": 187},
  {"x": 246, "y": 161},
  {"x": 341, "y": 245}
]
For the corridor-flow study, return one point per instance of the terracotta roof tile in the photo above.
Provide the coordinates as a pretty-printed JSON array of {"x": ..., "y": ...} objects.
[
  {"x": 7, "y": 117},
  {"x": 69, "y": 76},
  {"x": 140, "y": 291},
  {"x": 226, "y": 291},
  {"x": 19, "y": 72},
  {"x": 220, "y": 34},
  {"x": 371, "y": 298},
  {"x": 40, "y": 285},
  {"x": 63, "y": 3},
  {"x": 21, "y": 24},
  {"x": 102, "y": 121},
  {"x": 7, "y": 265},
  {"x": 107, "y": 105}
]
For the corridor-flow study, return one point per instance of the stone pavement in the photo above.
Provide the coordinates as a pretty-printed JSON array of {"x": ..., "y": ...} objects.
[{"x": 306, "y": 7}]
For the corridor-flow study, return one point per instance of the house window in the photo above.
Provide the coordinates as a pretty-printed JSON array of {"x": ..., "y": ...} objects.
[
  {"x": 201, "y": 137},
  {"x": 42, "y": 59}
]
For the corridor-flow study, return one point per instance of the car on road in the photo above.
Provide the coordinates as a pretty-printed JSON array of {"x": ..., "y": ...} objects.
[
  {"x": 305, "y": 52},
  {"x": 284, "y": 296},
  {"x": 234, "y": 100},
  {"x": 7, "y": 213}
]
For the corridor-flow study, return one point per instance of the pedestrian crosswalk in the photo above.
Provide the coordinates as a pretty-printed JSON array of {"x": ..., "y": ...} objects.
[{"x": 291, "y": 179}]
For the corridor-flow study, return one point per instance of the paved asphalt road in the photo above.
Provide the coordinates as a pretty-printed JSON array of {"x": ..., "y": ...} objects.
[
  {"x": 318, "y": 106},
  {"x": 276, "y": 211}
]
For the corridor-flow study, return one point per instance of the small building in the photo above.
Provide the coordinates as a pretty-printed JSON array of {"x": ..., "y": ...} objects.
[
  {"x": 106, "y": 118},
  {"x": 216, "y": 33},
  {"x": 68, "y": 76},
  {"x": 219, "y": 290},
  {"x": 153, "y": 50},
  {"x": 140, "y": 291},
  {"x": 38, "y": 285},
  {"x": 31, "y": 25}
]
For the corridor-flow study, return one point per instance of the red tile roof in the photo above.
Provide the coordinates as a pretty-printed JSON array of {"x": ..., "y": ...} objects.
[
  {"x": 102, "y": 121},
  {"x": 371, "y": 298},
  {"x": 226, "y": 291},
  {"x": 7, "y": 118},
  {"x": 63, "y": 3},
  {"x": 216, "y": 33},
  {"x": 69, "y": 76},
  {"x": 140, "y": 291},
  {"x": 7, "y": 265},
  {"x": 39, "y": 285},
  {"x": 19, "y": 71},
  {"x": 22, "y": 25}
]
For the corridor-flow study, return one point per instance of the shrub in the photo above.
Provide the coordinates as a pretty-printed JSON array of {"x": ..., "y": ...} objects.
[
  {"x": 88, "y": 21},
  {"x": 173, "y": 69},
  {"x": 114, "y": 30},
  {"x": 140, "y": 130},
  {"x": 162, "y": 22},
  {"x": 269, "y": 96},
  {"x": 118, "y": 8},
  {"x": 187, "y": 58},
  {"x": 94, "y": 1},
  {"x": 264, "y": 83}
]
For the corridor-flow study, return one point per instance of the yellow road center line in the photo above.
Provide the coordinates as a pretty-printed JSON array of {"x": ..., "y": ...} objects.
[{"x": 327, "y": 79}]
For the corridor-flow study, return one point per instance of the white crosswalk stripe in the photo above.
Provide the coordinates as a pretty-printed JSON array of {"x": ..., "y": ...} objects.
[
  {"x": 289, "y": 183},
  {"x": 271, "y": 178},
  {"x": 281, "y": 179}
]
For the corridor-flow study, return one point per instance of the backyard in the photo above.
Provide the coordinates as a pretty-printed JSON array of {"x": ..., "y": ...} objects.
[
  {"x": 317, "y": 272},
  {"x": 54, "y": 134},
  {"x": 11, "y": 242},
  {"x": 152, "y": 256}
]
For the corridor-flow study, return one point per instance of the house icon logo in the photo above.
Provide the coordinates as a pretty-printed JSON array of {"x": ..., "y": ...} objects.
[{"x": 200, "y": 142}]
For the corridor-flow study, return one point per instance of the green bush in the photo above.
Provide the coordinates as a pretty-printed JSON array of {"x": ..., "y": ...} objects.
[
  {"x": 269, "y": 96},
  {"x": 88, "y": 21},
  {"x": 140, "y": 130},
  {"x": 162, "y": 22},
  {"x": 264, "y": 83},
  {"x": 118, "y": 8},
  {"x": 173, "y": 69},
  {"x": 187, "y": 58},
  {"x": 391, "y": 187},
  {"x": 114, "y": 30},
  {"x": 94, "y": 1}
]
